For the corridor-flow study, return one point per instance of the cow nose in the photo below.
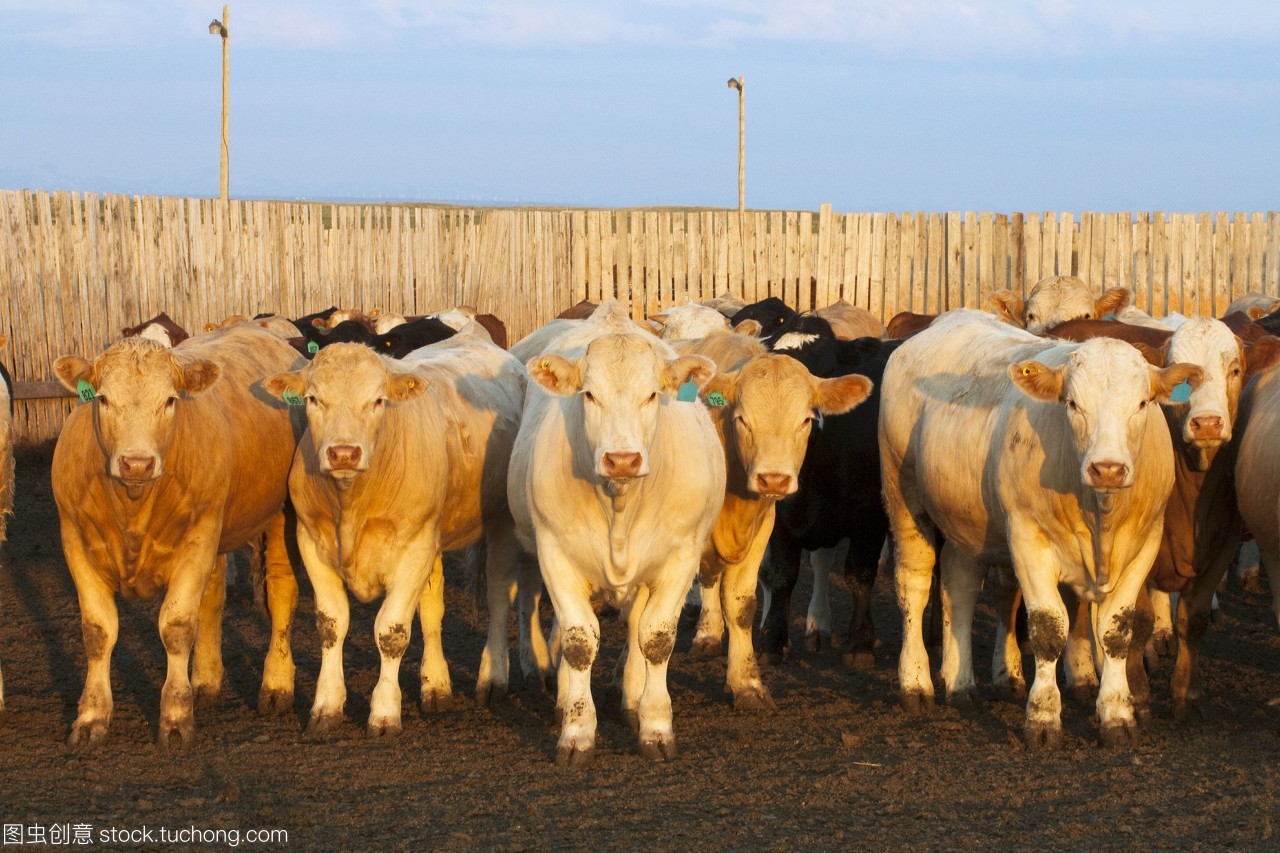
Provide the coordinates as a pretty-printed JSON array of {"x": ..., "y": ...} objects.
[
  {"x": 1207, "y": 426},
  {"x": 137, "y": 467},
  {"x": 343, "y": 456},
  {"x": 622, "y": 464},
  {"x": 1108, "y": 475},
  {"x": 772, "y": 483}
]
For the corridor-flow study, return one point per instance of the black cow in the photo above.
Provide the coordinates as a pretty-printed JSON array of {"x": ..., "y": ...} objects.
[
  {"x": 307, "y": 322},
  {"x": 397, "y": 343},
  {"x": 839, "y": 490},
  {"x": 770, "y": 313}
]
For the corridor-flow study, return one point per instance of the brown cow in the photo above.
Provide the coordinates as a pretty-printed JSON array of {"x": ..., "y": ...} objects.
[
  {"x": 904, "y": 324},
  {"x": 849, "y": 322},
  {"x": 178, "y": 458},
  {"x": 581, "y": 311},
  {"x": 161, "y": 328}
]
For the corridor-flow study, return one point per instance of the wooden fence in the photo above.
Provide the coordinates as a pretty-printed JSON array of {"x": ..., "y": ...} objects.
[{"x": 76, "y": 268}]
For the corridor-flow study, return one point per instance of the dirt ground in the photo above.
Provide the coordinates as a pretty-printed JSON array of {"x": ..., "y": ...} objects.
[{"x": 836, "y": 767}]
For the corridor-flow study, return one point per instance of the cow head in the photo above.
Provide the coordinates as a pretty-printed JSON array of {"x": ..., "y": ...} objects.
[
  {"x": 1106, "y": 388},
  {"x": 621, "y": 381},
  {"x": 773, "y": 402},
  {"x": 1055, "y": 300},
  {"x": 688, "y": 322},
  {"x": 346, "y": 389},
  {"x": 1227, "y": 364},
  {"x": 138, "y": 385}
]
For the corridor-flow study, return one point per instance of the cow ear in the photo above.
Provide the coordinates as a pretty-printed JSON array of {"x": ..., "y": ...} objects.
[
  {"x": 128, "y": 333},
  {"x": 1262, "y": 354},
  {"x": 198, "y": 375},
  {"x": 750, "y": 328},
  {"x": 209, "y": 327},
  {"x": 1112, "y": 301},
  {"x": 1007, "y": 305},
  {"x": 404, "y": 386},
  {"x": 724, "y": 384},
  {"x": 660, "y": 318},
  {"x": 839, "y": 395},
  {"x": 281, "y": 383},
  {"x": 556, "y": 374},
  {"x": 1257, "y": 312},
  {"x": 1038, "y": 381},
  {"x": 70, "y": 369},
  {"x": 697, "y": 369},
  {"x": 1164, "y": 379},
  {"x": 1155, "y": 356}
]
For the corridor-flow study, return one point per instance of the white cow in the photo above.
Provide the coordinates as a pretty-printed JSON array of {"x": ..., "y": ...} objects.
[
  {"x": 1066, "y": 471},
  {"x": 617, "y": 484},
  {"x": 1056, "y": 299},
  {"x": 688, "y": 322}
]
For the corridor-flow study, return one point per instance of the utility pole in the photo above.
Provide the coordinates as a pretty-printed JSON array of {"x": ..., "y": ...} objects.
[
  {"x": 219, "y": 28},
  {"x": 737, "y": 83}
]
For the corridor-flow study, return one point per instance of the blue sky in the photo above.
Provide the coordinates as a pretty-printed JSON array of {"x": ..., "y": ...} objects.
[{"x": 892, "y": 105}]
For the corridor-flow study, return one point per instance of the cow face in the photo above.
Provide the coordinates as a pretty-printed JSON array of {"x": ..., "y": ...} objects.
[
  {"x": 1106, "y": 388},
  {"x": 774, "y": 403},
  {"x": 346, "y": 389},
  {"x": 688, "y": 322},
  {"x": 621, "y": 382},
  {"x": 138, "y": 386},
  {"x": 1055, "y": 300},
  {"x": 1227, "y": 364}
]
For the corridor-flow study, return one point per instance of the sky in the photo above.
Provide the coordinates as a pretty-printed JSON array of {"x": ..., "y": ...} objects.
[{"x": 869, "y": 105}]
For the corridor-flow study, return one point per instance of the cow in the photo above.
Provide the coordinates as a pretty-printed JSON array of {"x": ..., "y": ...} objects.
[
  {"x": 401, "y": 461},
  {"x": 770, "y": 313},
  {"x": 458, "y": 317},
  {"x": 726, "y": 303},
  {"x": 161, "y": 328},
  {"x": 1253, "y": 305},
  {"x": 177, "y": 458},
  {"x": 688, "y": 322},
  {"x": 1257, "y": 472},
  {"x": 764, "y": 406},
  {"x": 838, "y": 497},
  {"x": 849, "y": 322},
  {"x": 904, "y": 324},
  {"x": 1065, "y": 471},
  {"x": 6, "y": 463},
  {"x": 1055, "y": 300},
  {"x": 307, "y": 321},
  {"x": 617, "y": 478},
  {"x": 580, "y": 311},
  {"x": 397, "y": 343}
]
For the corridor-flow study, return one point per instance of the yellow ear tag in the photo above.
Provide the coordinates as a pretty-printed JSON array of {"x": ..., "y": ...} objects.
[
  {"x": 546, "y": 365},
  {"x": 1026, "y": 371},
  {"x": 410, "y": 384}
]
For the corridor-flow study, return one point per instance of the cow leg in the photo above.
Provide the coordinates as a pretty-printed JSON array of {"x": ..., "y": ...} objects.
[
  {"x": 961, "y": 579},
  {"x": 1136, "y": 664},
  {"x": 1249, "y": 566},
  {"x": 500, "y": 574},
  {"x": 579, "y": 632},
  {"x": 656, "y": 637},
  {"x": 861, "y": 565},
  {"x": 535, "y": 658},
  {"x": 1271, "y": 565},
  {"x": 1162, "y": 632},
  {"x": 1116, "y": 617},
  {"x": 1047, "y": 626},
  {"x": 206, "y": 665},
  {"x": 100, "y": 625},
  {"x": 179, "y": 615},
  {"x": 742, "y": 677},
  {"x": 707, "y": 641},
  {"x": 913, "y": 577},
  {"x": 778, "y": 575},
  {"x": 276, "y": 694},
  {"x": 436, "y": 687},
  {"x": 817, "y": 624},
  {"x": 1194, "y": 607},
  {"x": 1006, "y": 659},
  {"x": 1081, "y": 665},
  {"x": 333, "y": 618}
]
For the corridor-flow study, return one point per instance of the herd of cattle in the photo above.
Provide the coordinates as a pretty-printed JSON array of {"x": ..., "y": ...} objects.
[{"x": 1079, "y": 457}]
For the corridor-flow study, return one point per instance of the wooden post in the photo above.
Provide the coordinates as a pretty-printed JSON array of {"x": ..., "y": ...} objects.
[{"x": 221, "y": 28}]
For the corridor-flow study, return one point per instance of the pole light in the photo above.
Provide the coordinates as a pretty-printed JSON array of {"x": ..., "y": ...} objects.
[
  {"x": 737, "y": 83},
  {"x": 219, "y": 28}
]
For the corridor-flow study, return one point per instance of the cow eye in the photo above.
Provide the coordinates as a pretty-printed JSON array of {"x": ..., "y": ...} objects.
[
  {"x": 652, "y": 398},
  {"x": 171, "y": 402},
  {"x": 588, "y": 396},
  {"x": 1071, "y": 404},
  {"x": 1031, "y": 318},
  {"x": 1235, "y": 372},
  {"x": 1142, "y": 405},
  {"x": 377, "y": 404},
  {"x": 102, "y": 401}
]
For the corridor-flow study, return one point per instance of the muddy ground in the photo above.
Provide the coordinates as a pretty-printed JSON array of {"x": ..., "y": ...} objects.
[{"x": 837, "y": 766}]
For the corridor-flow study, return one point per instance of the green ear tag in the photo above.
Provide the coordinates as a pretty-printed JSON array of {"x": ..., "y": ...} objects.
[
  {"x": 292, "y": 398},
  {"x": 85, "y": 391},
  {"x": 688, "y": 392},
  {"x": 313, "y": 347},
  {"x": 715, "y": 399}
]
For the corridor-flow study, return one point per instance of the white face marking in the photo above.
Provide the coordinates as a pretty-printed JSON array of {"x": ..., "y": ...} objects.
[
  {"x": 1209, "y": 344},
  {"x": 793, "y": 340},
  {"x": 621, "y": 394},
  {"x": 156, "y": 332},
  {"x": 1107, "y": 391}
]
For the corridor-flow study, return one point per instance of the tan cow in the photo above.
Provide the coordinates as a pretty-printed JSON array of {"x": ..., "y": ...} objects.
[
  {"x": 1055, "y": 300},
  {"x": 1065, "y": 471},
  {"x": 764, "y": 406},
  {"x": 179, "y": 458},
  {"x": 617, "y": 483},
  {"x": 403, "y": 460},
  {"x": 849, "y": 322}
]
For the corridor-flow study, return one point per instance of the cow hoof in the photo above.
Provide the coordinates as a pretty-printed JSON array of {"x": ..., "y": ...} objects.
[
  {"x": 274, "y": 702},
  {"x": 208, "y": 696},
  {"x": 1121, "y": 735},
  {"x": 860, "y": 660},
  {"x": 964, "y": 700},
  {"x": 813, "y": 642},
  {"x": 1042, "y": 736},
  {"x": 916, "y": 703},
  {"x": 1187, "y": 712},
  {"x": 436, "y": 701},
  {"x": 705, "y": 647},
  {"x": 1012, "y": 691},
  {"x": 632, "y": 716},
  {"x": 753, "y": 699},
  {"x": 1142, "y": 715},
  {"x": 87, "y": 735},
  {"x": 1251, "y": 582},
  {"x": 383, "y": 728},
  {"x": 323, "y": 725},
  {"x": 1162, "y": 643},
  {"x": 1083, "y": 694},
  {"x": 658, "y": 750},
  {"x": 571, "y": 758},
  {"x": 490, "y": 695},
  {"x": 772, "y": 658},
  {"x": 176, "y": 736}
]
